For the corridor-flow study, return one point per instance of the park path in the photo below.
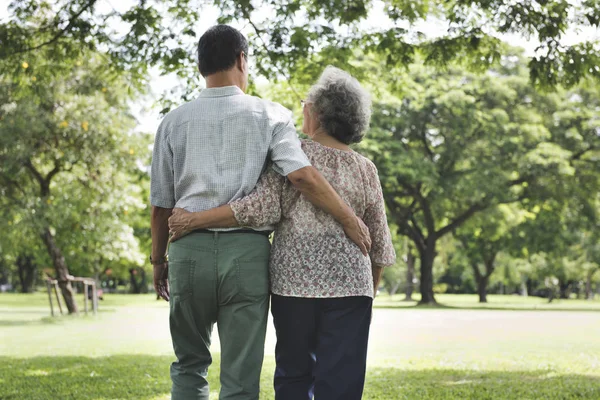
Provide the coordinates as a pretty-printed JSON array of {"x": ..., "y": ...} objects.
[{"x": 398, "y": 336}]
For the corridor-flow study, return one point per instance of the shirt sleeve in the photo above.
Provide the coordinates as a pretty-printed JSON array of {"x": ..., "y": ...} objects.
[
  {"x": 285, "y": 148},
  {"x": 262, "y": 207},
  {"x": 162, "y": 182},
  {"x": 382, "y": 249}
]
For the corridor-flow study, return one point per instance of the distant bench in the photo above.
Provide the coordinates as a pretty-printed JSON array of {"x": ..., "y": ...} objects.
[{"x": 88, "y": 283}]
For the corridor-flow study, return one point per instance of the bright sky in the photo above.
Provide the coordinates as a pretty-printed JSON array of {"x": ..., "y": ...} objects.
[{"x": 148, "y": 116}]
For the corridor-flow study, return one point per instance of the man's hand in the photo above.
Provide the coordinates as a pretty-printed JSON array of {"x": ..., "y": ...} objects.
[
  {"x": 358, "y": 232},
  {"x": 179, "y": 224},
  {"x": 161, "y": 282}
]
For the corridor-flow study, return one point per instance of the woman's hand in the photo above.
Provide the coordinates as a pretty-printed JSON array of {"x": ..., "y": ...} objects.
[{"x": 180, "y": 224}]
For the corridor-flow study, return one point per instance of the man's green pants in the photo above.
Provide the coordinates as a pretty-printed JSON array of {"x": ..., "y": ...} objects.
[{"x": 222, "y": 278}]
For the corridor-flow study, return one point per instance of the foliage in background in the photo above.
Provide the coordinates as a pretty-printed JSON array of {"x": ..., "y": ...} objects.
[
  {"x": 70, "y": 162},
  {"x": 148, "y": 33},
  {"x": 449, "y": 144}
]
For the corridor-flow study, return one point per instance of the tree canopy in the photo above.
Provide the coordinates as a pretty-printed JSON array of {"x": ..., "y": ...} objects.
[
  {"x": 156, "y": 33},
  {"x": 455, "y": 144},
  {"x": 464, "y": 127},
  {"x": 69, "y": 156}
]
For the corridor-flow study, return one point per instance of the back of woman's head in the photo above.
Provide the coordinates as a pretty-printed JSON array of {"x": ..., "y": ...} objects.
[{"x": 342, "y": 105}]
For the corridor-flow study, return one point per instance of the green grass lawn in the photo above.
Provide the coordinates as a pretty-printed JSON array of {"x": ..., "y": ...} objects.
[{"x": 460, "y": 351}]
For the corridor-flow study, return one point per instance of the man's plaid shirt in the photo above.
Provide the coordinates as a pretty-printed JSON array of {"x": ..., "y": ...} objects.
[{"x": 213, "y": 150}]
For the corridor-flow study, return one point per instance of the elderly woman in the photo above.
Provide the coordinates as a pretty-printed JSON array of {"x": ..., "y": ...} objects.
[{"x": 322, "y": 285}]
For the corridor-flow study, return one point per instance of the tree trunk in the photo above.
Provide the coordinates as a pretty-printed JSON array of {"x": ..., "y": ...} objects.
[
  {"x": 410, "y": 274},
  {"x": 551, "y": 290},
  {"x": 62, "y": 271},
  {"x": 482, "y": 282},
  {"x": 483, "y": 279},
  {"x": 529, "y": 285},
  {"x": 138, "y": 280},
  {"x": 135, "y": 288},
  {"x": 144, "y": 281},
  {"x": 27, "y": 273},
  {"x": 427, "y": 257},
  {"x": 523, "y": 291},
  {"x": 565, "y": 289},
  {"x": 589, "y": 295},
  {"x": 4, "y": 273},
  {"x": 482, "y": 285}
]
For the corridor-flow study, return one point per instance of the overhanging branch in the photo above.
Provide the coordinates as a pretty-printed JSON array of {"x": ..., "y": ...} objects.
[
  {"x": 418, "y": 196},
  {"x": 580, "y": 154},
  {"x": 62, "y": 31},
  {"x": 270, "y": 54},
  {"x": 416, "y": 228},
  {"x": 44, "y": 186},
  {"x": 402, "y": 220},
  {"x": 53, "y": 172},
  {"x": 461, "y": 219}
]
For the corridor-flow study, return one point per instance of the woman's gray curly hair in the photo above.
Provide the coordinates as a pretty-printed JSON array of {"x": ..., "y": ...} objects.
[{"x": 342, "y": 105}]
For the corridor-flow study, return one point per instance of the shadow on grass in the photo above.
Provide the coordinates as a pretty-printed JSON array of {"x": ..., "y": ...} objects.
[
  {"x": 17, "y": 322},
  {"x": 145, "y": 377},
  {"x": 21, "y": 311},
  {"x": 49, "y": 320},
  {"x": 33, "y": 322}
]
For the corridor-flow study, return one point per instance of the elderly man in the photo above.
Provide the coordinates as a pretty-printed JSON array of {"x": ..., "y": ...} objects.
[{"x": 207, "y": 153}]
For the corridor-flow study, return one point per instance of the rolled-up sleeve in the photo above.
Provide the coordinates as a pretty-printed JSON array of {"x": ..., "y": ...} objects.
[
  {"x": 262, "y": 207},
  {"x": 285, "y": 148},
  {"x": 162, "y": 186},
  {"x": 382, "y": 249}
]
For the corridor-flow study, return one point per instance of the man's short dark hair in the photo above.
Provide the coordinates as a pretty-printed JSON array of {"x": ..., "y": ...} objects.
[{"x": 218, "y": 49}]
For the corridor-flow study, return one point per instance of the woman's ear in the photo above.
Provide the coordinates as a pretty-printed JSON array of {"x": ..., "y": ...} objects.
[
  {"x": 313, "y": 116},
  {"x": 315, "y": 120}
]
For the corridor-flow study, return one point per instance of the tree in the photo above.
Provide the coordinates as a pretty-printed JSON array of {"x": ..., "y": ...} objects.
[
  {"x": 19, "y": 254},
  {"x": 483, "y": 237},
  {"x": 150, "y": 33},
  {"x": 449, "y": 144},
  {"x": 565, "y": 209},
  {"x": 580, "y": 262},
  {"x": 556, "y": 243},
  {"x": 456, "y": 144},
  {"x": 28, "y": 271},
  {"x": 157, "y": 33},
  {"x": 591, "y": 266},
  {"x": 65, "y": 153},
  {"x": 410, "y": 272}
]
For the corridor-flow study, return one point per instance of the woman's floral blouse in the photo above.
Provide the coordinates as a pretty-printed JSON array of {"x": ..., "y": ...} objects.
[{"x": 311, "y": 256}]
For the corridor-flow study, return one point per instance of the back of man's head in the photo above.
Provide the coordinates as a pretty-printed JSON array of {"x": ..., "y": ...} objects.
[{"x": 219, "y": 48}]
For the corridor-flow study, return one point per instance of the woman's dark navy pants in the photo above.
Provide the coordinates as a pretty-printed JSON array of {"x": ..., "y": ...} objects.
[{"x": 321, "y": 347}]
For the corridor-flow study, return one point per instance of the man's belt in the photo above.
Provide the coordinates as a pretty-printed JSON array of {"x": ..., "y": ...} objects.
[{"x": 263, "y": 233}]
